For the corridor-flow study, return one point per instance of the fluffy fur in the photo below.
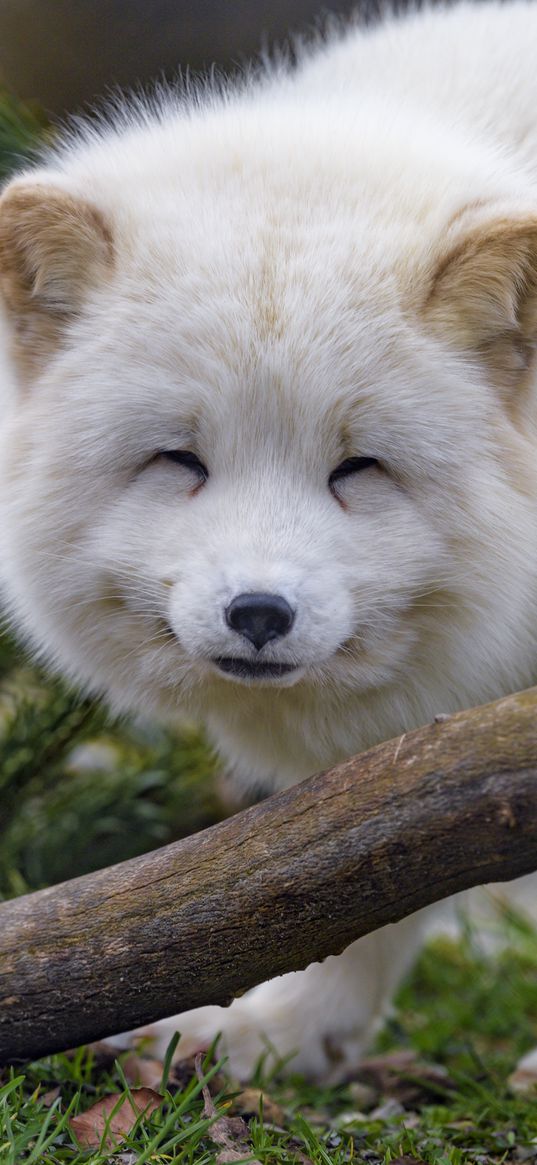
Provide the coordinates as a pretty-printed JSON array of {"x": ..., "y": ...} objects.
[{"x": 334, "y": 261}]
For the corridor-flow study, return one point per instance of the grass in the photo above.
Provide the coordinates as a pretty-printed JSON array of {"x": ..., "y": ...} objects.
[
  {"x": 79, "y": 791},
  {"x": 461, "y": 1010},
  {"x": 22, "y": 127}
]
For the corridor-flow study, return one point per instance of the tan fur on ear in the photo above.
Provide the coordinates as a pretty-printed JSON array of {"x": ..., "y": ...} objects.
[
  {"x": 53, "y": 248},
  {"x": 483, "y": 295}
]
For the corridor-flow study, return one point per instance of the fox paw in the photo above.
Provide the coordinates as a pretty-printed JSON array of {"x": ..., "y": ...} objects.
[{"x": 246, "y": 1037}]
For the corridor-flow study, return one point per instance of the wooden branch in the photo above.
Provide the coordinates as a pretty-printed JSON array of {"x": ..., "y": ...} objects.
[{"x": 270, "y": 890}]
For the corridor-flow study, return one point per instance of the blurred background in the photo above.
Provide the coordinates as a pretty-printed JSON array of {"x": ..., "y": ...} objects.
[{"x": 64, "y": 53}]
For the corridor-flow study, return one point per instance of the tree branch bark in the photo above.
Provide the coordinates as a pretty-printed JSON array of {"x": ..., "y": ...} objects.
[{"x": 276, "y": 887}]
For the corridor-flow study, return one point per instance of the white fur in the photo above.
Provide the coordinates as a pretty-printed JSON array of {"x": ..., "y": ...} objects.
[{"x": 273, "y": 246}]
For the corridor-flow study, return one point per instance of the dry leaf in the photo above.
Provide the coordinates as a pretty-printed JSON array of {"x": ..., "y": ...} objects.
[
  {"x": 248, "y": 1102},
  {"x": 142, "y": 1071},
  {"x": 298, "y": 1153},
  {"x": 523, "y": 1080},
  {"x": 407, "y": 1160},
  {"x": 103, "y": 1054},
  {"x": 89, "y": 1127},
  {"x": 524, "y": 1077},
  {"x": 182, "y": 1071},
  {"x": 230, "y": 1132},
  {"x": 402, "y": 1076},
  {"x": 49, "y": 1097}
]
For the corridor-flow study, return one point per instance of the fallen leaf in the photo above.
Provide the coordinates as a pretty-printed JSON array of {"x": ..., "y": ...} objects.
[
  {"x": 297, "y": 1152},
  {"x": 248, "y": 1103},
  {"x": 139, "y": 1070},
  {"x": 49, "y": 1097},
  {"x": 182, "y": 1071},
  {"x": 402, "y": 1076},
  {"x": 524, "y": 1077},
  {"x": 103, "y": 1054},
  {"x": 142, "y": 1071},
  {"x": 230, "y": 1132},
  {"x": 91, "y": 1126},
  {"x": 407, "y": 1160}
]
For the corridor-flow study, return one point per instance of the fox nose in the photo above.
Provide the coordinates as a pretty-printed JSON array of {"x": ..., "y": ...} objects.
[{"x": 260, "y": 617}]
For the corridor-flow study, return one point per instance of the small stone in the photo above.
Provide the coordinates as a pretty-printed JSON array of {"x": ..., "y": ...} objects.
[
  {"x": 387, "y": 1111},
  {"x": 363, "y": 1095},
  {"x": 351, "y": 1118}
]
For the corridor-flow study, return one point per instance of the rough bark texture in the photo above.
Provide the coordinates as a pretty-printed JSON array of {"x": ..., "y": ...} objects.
[{"x": 274, "y": 888}]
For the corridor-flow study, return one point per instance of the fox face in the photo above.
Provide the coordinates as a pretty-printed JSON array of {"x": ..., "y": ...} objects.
[{"x": 260, "y": 456}]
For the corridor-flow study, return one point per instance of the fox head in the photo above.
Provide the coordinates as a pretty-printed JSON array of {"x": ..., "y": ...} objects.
[{"x": 269, "y": 428}]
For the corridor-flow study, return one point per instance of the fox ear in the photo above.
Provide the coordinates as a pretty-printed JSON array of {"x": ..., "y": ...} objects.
[
  {"x": 53, "y": 248},
  {"x": 484, "y": 293}
]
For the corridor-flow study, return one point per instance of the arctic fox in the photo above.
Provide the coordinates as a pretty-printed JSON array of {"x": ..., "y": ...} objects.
[{"x": 268, "y": 452}]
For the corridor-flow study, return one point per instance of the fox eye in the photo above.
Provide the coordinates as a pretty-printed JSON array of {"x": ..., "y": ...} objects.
[
  {"x": 187, "y": 459},
  {"x": 349, "y": 466}
]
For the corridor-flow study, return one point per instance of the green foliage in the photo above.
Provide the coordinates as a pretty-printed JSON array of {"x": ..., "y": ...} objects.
[
  {"x": 22, "y": 130},
  {"x": 78, "y": 792},
  {"x": 471, "y": 1009},
  {"x": 472, "y": 1120},
  {"x": 37, "y": 1132}
]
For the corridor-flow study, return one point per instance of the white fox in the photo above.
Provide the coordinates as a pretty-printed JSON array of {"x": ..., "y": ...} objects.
[{"x": 269, "y": 441}]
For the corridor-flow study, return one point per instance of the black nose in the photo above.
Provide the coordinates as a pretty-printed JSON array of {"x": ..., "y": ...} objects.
[{"x": 260, "y": 617}]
